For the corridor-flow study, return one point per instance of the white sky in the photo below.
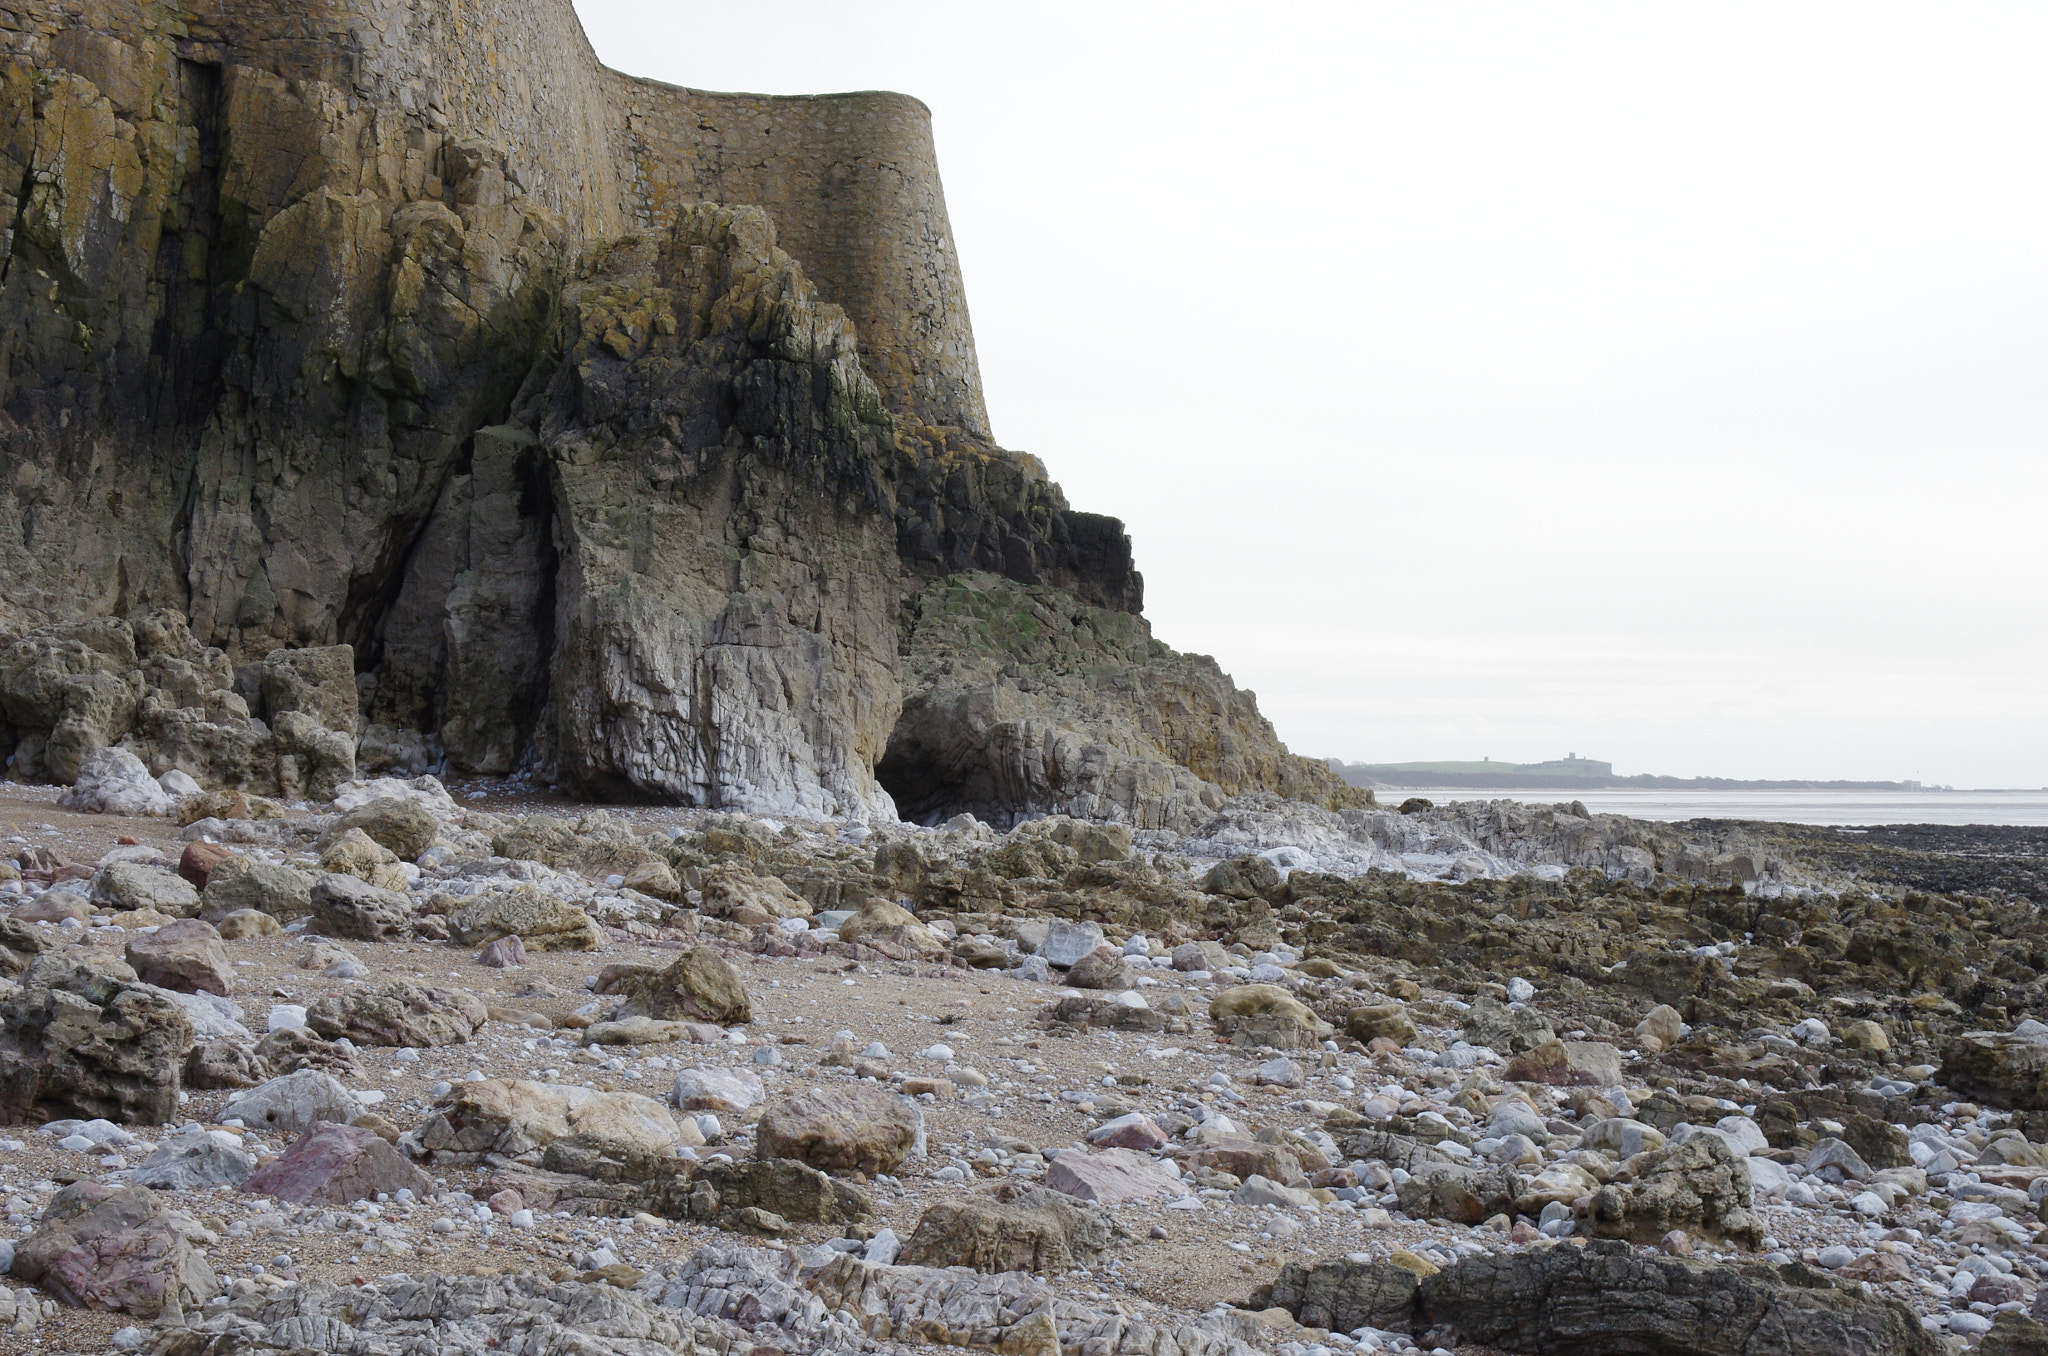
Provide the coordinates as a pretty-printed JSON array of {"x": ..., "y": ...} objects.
[{"x": 1664, "y": 383}]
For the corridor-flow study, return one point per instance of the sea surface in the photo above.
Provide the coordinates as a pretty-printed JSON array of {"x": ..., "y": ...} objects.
[{"x": 1783, "y": 807}]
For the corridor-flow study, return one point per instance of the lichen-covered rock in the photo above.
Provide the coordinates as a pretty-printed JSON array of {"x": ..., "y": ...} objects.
[
  {"x": 120, "y": 1249},
  {"x": 838, "y": 1129},
  {"x": 88, "y": 1041},
  {"x": 1265, "y": 1014},
  {"x": 1040, "y": 1231},
  {"x": 1700, "y": 1187},
  {"x": 540, "y": 921},
  {"x": 398, "y": 1013},
  {"x": 699, "y": 986}
]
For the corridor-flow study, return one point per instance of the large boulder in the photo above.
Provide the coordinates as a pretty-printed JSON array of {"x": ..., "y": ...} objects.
[
  {"x": 185, "y": 955},
  {"x": 332, "y": 1164},
  {"x": 1561, "y": 1063},
  {"x": 2001, "y": 1069},
  {"x": 89, "y": 1042},
  {"x": 400, "y": 824},
  {"x": 105, "y": 1248},
  {"x": 398, "y": 1013},
  {"x": 891, "y": 929},
  {"x": 1462, "y": 1195},
  {"x": 699, "y": 986},
  {"x": 516, "y": 1117},
  {"x": 737, "y": 893},
  {"x": 344, "y": 906},
  {"x": 1700, "y": 1186},
  {"x": 1265, "y": 1014},
  {"x": 540, "y": 921},
  {"x": 122, "y": 886},
  {"x": 355, "y": 853},
  {"x": 1103, "y": 968},
  {"x": 294, "y": 1101},
  {"x": 114, "y": 781},
  {"x": 283, "y": 892},
  {"x": 839, "y": 1129},
  {"x": 1039, "y": 1231},
  {"x": 192, "y": 1160},
  {"x": 1605, "y": 1299}
]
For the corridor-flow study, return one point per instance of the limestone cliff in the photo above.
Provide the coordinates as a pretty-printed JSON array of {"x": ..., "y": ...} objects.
[{"x": 628, "y": 433}]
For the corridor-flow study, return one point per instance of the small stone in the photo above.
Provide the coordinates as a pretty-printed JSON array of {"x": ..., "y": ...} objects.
[{"x": 503, "y": 954}]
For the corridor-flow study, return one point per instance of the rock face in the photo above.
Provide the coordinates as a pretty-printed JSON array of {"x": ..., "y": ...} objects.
[
  {"x": 116, "y": 1249},
  {"x": 592, "y": 425},
  {"x": 1607, "y": 1300}
]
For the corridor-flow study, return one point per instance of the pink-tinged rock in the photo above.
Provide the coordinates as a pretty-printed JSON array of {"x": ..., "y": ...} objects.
[
  {"x": 198, "y": 860},
  {"x": 101, "y": 1248},
  {"x": 336, "y": 1165},
  {"x": 186, "y": 956},
  {"x": 503, "y": 954},
  {"x": 1111, "y": 1177},
  {"x": 506, "y": 1202},
  {"x": 1135, "y": 1131}
]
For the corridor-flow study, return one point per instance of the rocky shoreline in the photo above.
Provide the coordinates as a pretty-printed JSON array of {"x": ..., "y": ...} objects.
[{"x": 431, "y": 1069}]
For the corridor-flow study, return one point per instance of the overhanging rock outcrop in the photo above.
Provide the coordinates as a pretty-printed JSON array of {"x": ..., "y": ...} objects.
[{"x": 609, "y": 429}]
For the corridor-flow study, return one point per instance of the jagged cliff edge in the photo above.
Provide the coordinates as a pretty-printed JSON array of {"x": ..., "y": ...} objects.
[{"x": 396, "y": 387}]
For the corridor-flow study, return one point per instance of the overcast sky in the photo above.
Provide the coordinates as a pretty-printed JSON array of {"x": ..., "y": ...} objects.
[{"x": 1663, "y": 383}]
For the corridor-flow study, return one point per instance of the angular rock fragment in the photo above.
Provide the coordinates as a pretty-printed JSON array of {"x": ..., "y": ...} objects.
[
  {"x": 344, "y": 906},
  {"x": 1111, "y": 1177}
]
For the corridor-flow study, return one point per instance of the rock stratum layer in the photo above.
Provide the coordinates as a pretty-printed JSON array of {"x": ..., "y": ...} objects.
[{"x": 627, "y": 433}]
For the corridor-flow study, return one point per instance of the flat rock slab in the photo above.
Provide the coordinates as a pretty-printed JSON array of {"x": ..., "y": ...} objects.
[{"x": 1111, "y": 1177}]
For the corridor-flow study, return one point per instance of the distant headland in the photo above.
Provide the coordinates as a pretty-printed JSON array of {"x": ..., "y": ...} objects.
[{"x": 1570, "y": 773}]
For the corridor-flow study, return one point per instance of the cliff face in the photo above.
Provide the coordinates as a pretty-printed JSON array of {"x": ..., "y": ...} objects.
[{"x": 607, "y": 425}]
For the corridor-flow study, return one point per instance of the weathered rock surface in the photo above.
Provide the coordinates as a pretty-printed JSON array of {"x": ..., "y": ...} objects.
[
  {"x": 398, "y": 1013},
  {"x": 188, "y": 1161},
  {"x": 1698, "y": 1186},
  {"x": 122, "y": 1249},
  {"x": 344, "y": 906},
  {"x": 130, "y": 885},
  {"x": 185, "y": 955},
  {"x": 515, "y": 1117},
  {"x": 336, "y": 1165},
  {"x": 1264, "y": 1014},
  {"x": 838, "y": 1129},
  {"x": 399, "y": 824},
  {"x": 1999, "y": 1068},
  {"x": 283, "y": 892},
  {"x": 1040, "y": 1231},
  {"x": 700, "y": 986},
  {"x": 540, "y": 921},
  {"x": 292, "y": 1102},
  {"x": 1606, "y": 1300},
  {"x": 89, "y": 1042}
]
